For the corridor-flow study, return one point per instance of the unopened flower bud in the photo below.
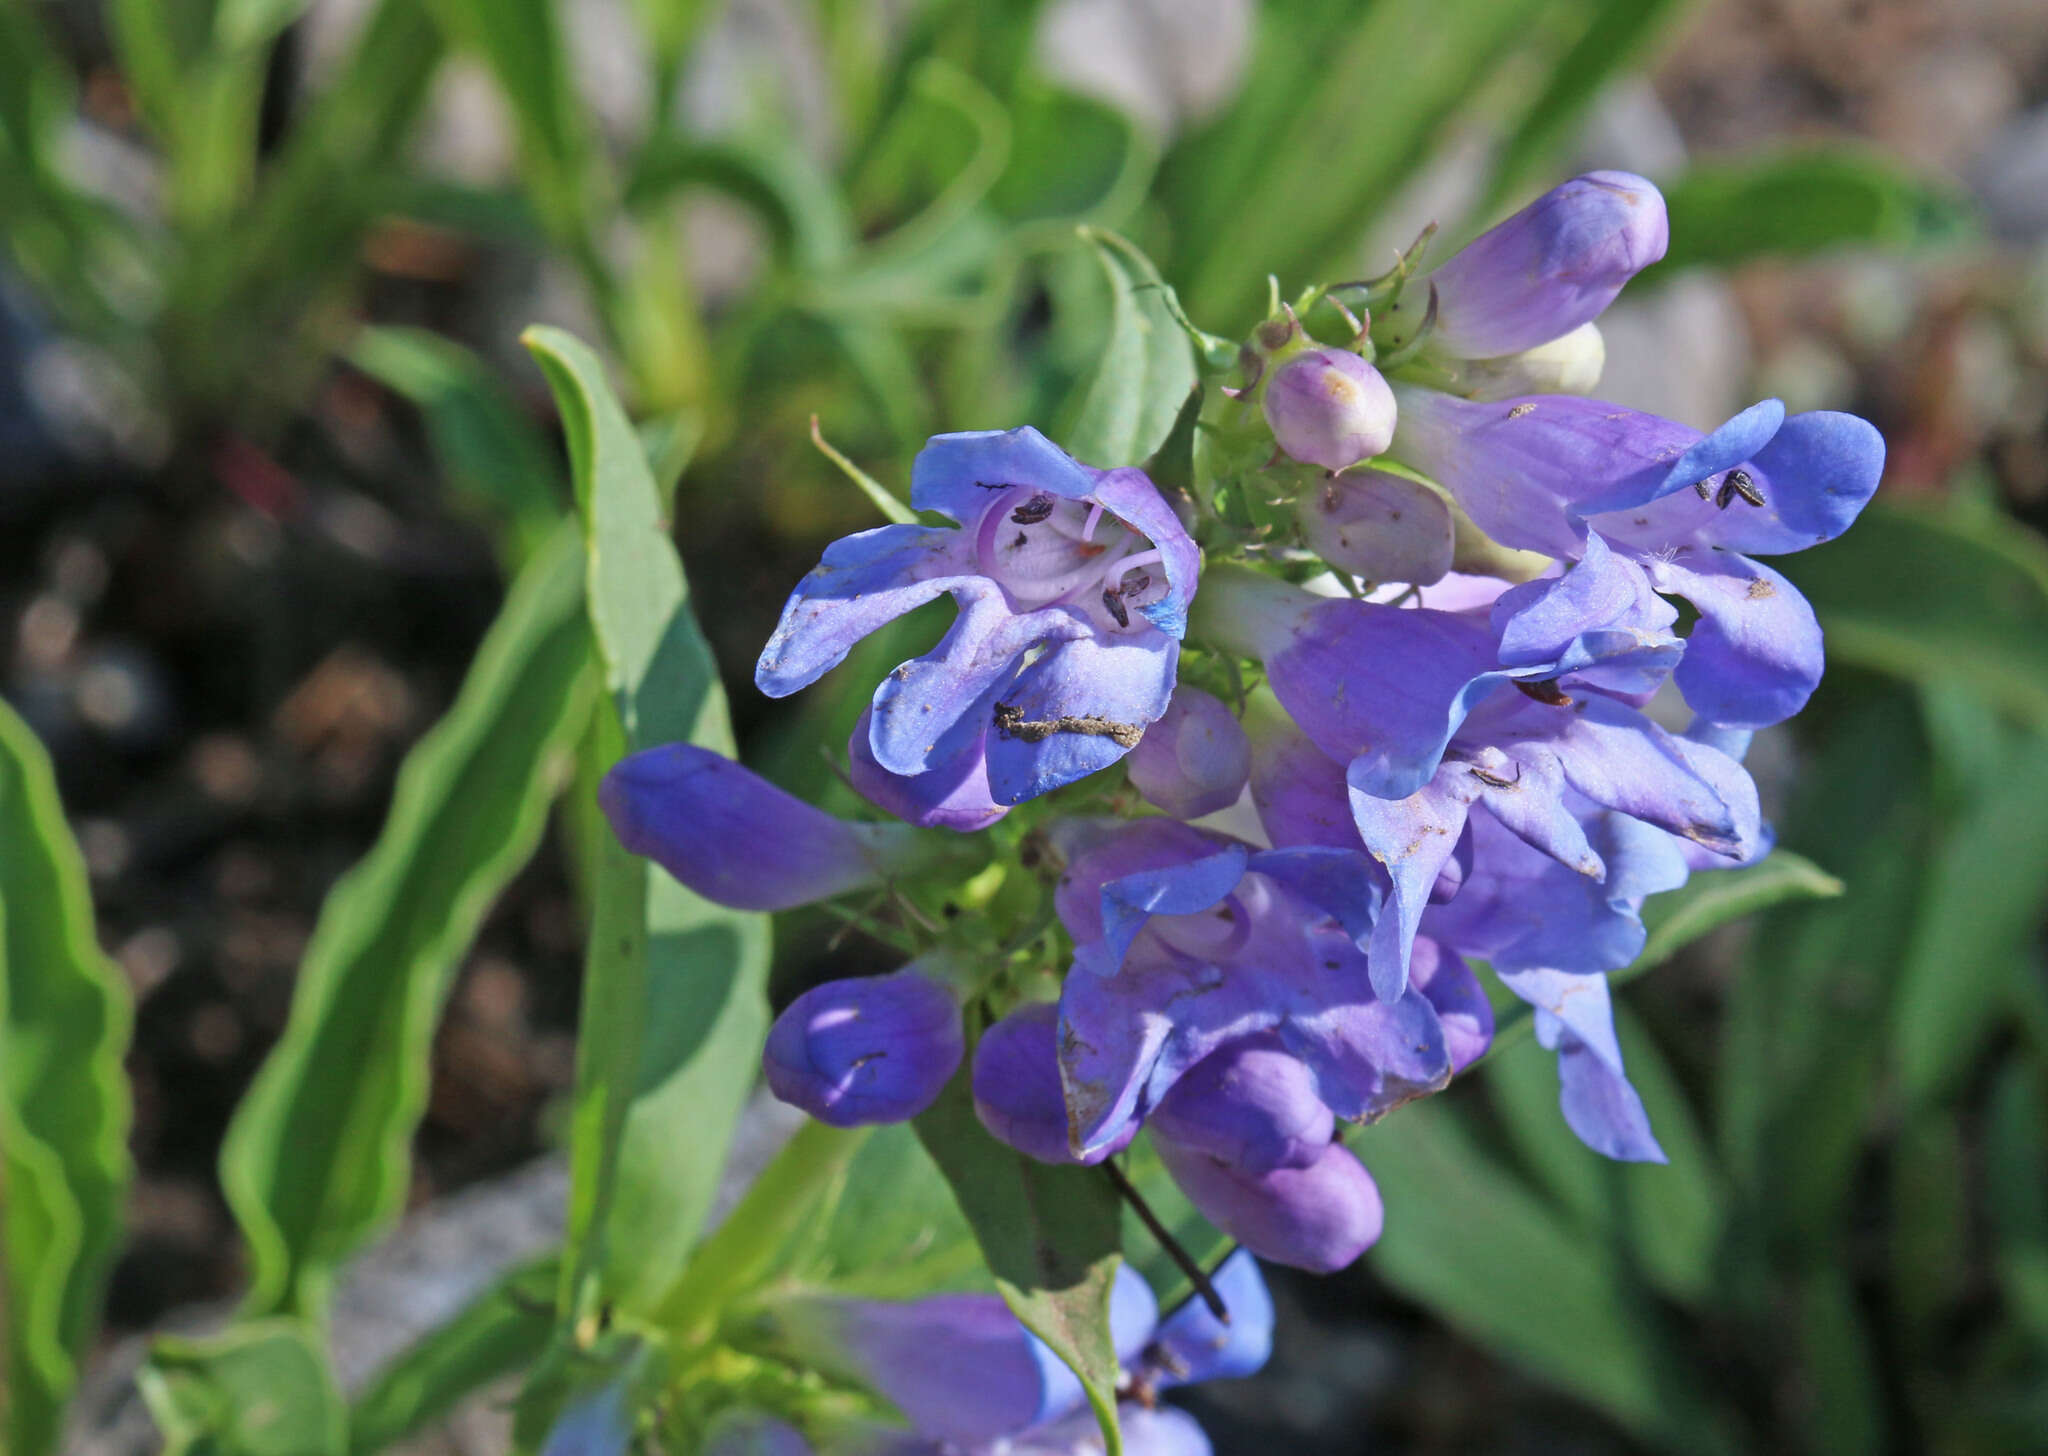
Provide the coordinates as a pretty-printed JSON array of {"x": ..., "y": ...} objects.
[
  {"x": 1570, "y": 364},
  {"x": 1017, "y": 1091},
  {"x": 1330, "y": 408},
  {"x": 1250, "y": 1105},
  {"x": 598, "y": 1424},
  {"x": 872, "y": 1049},
  {"x": 1554, "y": 265},
  {"x": 1195, "y": 759},
  {"x": 735, "y": 838},
  {"x": 1318, "y": 1218},
  {"x": 1380, "y": 526}
]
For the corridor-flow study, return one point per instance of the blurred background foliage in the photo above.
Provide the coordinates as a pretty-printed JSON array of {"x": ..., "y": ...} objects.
[{"x": 269, "y": 455}]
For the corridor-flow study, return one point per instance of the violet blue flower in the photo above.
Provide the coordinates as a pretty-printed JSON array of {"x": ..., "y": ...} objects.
[
  {"x": 1194, "y": 760},
  {"x": 734, "y": 838},
  {"x": 959, "y": 1367},
  {"x": 1186, "y": 942},
  {"x": 1017, "y": 1092},
  {"x": 954, "y": 796},
  {"x": 1416, "y": 705},
  {"x": 873, "y": 1049},
  {"x": 597, "y": 1424},
  {"x": 1552, "y": 474},
  {"x": 1073, "y": 586},
  {"x": 1192, "y": 1345}
]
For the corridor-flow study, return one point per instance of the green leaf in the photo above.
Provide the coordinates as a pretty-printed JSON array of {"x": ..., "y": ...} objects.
[
  {"x": 1126, "y": 408},
  {"x": 1050, "y": 1236},
  {"x": 1346, "y": 103},
  {"x": 675, "y": 993},
  {"x": 317, "y": 1157},
  {"x": 522, "y": 43},
  {"x": 487, "y": 449},
  {"x": 245, "y": 24},
  {"x": 1845, "y": 1413},
  {"x": 1620, "y": 34},
  {"x": 64, "y": 1167},
  {"x": 1930, "y": 1226},
  {"x": 261, "y": 1389},
  {"x": 1468, "y": 1239},
  {"x": 1802, "y": 203},
  {"x": 504, "y": 1329},
  {"x": 1979, "y": 910},
  {"x": 893, "y": 1228}
]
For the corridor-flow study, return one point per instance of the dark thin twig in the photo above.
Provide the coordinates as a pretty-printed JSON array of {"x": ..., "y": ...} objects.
[{"x": 1183, "y": 1260}]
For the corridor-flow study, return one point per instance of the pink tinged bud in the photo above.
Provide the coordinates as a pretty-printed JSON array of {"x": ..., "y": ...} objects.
[
  {"x": 1017, "y": 1093},
  {"x": 1330, "y": 408},
  {"x": 953, "y": 796},
  {"x": 733, "y": 837},
  {"x": 1318, "y": 1218},
  {"x": 1551, "y": 267},
  {"x": 870, "y": 1050},
  {"x": 1250, "y": 1105},
  {"x": 1195, "y": 759},
  {"x": 1380, "y": 526}
]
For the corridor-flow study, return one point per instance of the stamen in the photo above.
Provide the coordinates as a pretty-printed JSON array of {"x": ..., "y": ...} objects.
[
  {"x": 1034, "y": 510},
  {"x": 1113, "y": 599},
  {"x": 1088, "y": 530}
]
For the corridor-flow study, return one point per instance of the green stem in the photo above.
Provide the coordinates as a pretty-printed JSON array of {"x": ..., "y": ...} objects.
[{"x": 774, "y": 1210}]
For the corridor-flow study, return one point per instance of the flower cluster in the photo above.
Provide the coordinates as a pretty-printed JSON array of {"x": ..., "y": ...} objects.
[{"x": 1439, "y": 586}]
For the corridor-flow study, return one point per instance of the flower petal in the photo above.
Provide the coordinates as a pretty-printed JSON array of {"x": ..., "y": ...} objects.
[
  {"x": 1383, "y": 688},
  {"x": 1755, "y": 656},
  {"x": 1319, "y": 1218},
  {"x": 956, "y": 474},
  {"x": 1179, "y": 889},
  {"x": 1462, "y": 1009},
  {"x": 864, "y": 581},
  {"x": 1196, "y": 1346},
  {"x": 1413, "y": 838},
  {"x": 1600, "y": 621},
  {"x": 1131, "y": 497},
  {"x": 925, "y": 711},
  {"x": 1079, "y": 708},
  {"x": 953, "y": 796}
]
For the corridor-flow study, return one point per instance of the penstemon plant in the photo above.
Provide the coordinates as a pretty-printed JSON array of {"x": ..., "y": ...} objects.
[{"x": 1201, "y": 812}]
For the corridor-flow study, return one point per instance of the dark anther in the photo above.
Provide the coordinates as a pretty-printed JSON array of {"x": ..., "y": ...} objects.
[
  {"x": 1546, "y": 692},
  {"x": 1738, "y": 483},
  {"x": 1132, "y": 586},
  {"x": 1704, "y": 489},
  {"x": 1033, "y": 511},
  {"x": 1495, "y": 781},
  {"x": 1114, "y": 600}
]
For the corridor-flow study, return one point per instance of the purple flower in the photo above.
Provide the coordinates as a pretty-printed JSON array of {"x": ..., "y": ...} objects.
[
  {"x": 1073, "y": 586},
  {"x": 1017, "y": 1092},
  {"x": 970, "y": 1380},
  {"x": 735, "y": 838},
  {"x": 954, "y": 796},
  {"x": 1549, "y": 269},
  {"x": 1194, "y": 760},
  {"x": 1192, "y": 1345},
  {"x": 1329, "y": 407},
  {"x": 1250, "y": 1105},
  {"x": 873, "y": 1049},
  {"x": 1415, "y": 704},
  {"x": 1553, "y": 474},
  {"x": 1186, "y": 942}
]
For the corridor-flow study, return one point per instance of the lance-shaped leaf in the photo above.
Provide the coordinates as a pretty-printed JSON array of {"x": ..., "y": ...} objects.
[
  {"x": 63, "y": 1104},
  {"x": 502, "y": 1330},
  {"x": 1050, "y": 1236},
  {"x": 261, "y": 1389},
  {"x": 1125, "y": 409},
  {"x": 317, "y": 1158},
  {"x": 675, "y": 999}
]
